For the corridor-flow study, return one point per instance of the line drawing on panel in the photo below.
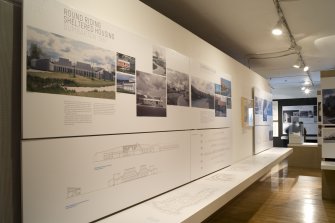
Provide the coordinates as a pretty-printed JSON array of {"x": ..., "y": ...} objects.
[
  {"x": 176, "y": 204},
  {"x": 221, "y": 177},
  {"x": 241, "y": 168},
  {"x": 132, "y": 174},
  {"x": 213, "y": 149},
  {"x": 136, "y": 149},
  {"x": 125, "y": 176},
  {"x": 73, "y": 192}
]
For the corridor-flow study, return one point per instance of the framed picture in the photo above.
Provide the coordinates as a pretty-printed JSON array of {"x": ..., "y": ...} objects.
[{"x": 247, "y": 112}]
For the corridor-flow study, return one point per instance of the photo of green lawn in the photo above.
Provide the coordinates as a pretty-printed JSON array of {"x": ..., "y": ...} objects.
[{"x": 62, "y": 83}]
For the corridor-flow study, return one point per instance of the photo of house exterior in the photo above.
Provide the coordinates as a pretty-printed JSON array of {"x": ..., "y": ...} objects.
[
  {"x": 60, "y": 65},
  {"x": 64, "y": 65}
]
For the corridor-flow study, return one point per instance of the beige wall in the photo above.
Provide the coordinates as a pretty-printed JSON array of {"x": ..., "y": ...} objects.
[{"x": 138, "y": 18}]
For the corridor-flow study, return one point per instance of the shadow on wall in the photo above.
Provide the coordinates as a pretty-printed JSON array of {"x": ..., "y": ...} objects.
[{"x": 10, "y": 115}]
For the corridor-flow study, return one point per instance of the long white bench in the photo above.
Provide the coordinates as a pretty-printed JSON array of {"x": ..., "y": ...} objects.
[{"x": 197, "y": 200}]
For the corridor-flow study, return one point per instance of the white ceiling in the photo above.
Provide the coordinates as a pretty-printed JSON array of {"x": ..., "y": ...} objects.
[{"x": 242, "y": 29}]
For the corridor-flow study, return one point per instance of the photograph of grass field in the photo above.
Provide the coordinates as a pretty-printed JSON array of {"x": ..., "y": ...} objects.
[{"x": 59, "y": 65}]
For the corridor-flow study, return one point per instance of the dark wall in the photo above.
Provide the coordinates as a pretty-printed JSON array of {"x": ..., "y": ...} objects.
[
  {"x": 277, "y": 141},
  {"x": 10, "y": 118}
]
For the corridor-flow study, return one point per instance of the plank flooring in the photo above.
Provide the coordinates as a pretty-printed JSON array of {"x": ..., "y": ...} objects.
[{"x": 287, "y": 195}]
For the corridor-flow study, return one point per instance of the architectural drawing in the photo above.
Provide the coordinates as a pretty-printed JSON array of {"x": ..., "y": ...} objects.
[
  {"x": 73, "y": 192},
  {"x": 176, "y": 204},
  {"x": 221, "y": 177},
  {"x": 132, "y": 150},
  {"x": 132, "y": 174}
]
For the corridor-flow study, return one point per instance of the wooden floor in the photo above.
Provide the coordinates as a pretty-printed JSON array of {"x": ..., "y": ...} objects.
[{"x": 288, "y": 195}]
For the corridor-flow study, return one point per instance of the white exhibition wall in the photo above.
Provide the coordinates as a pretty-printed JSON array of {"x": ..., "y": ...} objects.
[
  {"x": 263, "y": 120},
  {"x": 65, "y": 175},
  {"x": 138, "y": 18},
  {"x": 146, "y": 22}
]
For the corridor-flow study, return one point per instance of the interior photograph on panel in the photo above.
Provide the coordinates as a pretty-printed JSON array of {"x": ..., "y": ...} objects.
[{"x": 171, "y": 111}]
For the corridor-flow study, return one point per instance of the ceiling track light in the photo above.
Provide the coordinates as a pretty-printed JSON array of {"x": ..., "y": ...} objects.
[
  {"x": 278, "y": 29},
  {"x": 307, "y": 91},
  {"x": 294, "y": 44},
  {"x": 297, "y": 64}
]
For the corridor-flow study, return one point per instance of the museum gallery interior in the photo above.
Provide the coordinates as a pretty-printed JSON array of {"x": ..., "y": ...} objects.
[{"x": 167, "y": 111}]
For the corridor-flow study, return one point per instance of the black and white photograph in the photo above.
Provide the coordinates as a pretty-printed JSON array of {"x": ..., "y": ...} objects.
[
  {"x": 125, "y": 83},
  {"x": 269, "y": 108},
  {"x": 319, "y": 130},
  {"x": 125, "y": 64},
  {"x": 328, "y": 106},
  {"x": 150, "y": 94},
  {"x": 328, "y": 135},
  {"x": 265, "y": 110},
  {"x": 220, "y": 106},
  {"x": 60, "y": 65},
  {"x": 178, "y": 92},
  {"x": 202, "y": 93},
  {"x": 225, "y": 87},
  {"x": 217, "y": 89},
  {"x": 159, "y": 60},
  {"x": 287, "y": 115},
  {"x": 229, "y": 103},
  {"x": 258, "y": 105},
  {"x": 306, "y": 114},
  {"x": 247, "y": 112}
]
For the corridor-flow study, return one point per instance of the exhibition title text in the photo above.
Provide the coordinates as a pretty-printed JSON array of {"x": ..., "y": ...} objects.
[{"x": 85, "y": 23}]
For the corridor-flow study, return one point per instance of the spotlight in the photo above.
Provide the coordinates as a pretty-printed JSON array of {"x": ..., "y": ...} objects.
[
  {"x": 306, "y": 68},
  {"x": 307, "y": 91},
  {"x": 297, "y": 64},
  {"x": 303, "y": 88},
  {"x": 307, "y": 83},
  {"x": 278, "y": 29}
]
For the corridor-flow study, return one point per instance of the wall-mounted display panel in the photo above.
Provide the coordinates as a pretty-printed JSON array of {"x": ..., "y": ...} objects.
[
  {"x": 263, "y": 129},
  {"x": 328, "y": 143},
  {"x": 84, "y": 76},
  {"x": 263, "y": 138},
  {"x": 262, "y": 107},
  {"x": 85, "y": 178},
  {"x": 328, "y": 106},
  {"x": 327, "y": 84},
  {"x": 210, "y": 97},
  {"x": 307, "y": 114},
  {"x": 247, "y": 112},
  {"x": 210, "y": 151},
  {"x": 106, "y": 112}
]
